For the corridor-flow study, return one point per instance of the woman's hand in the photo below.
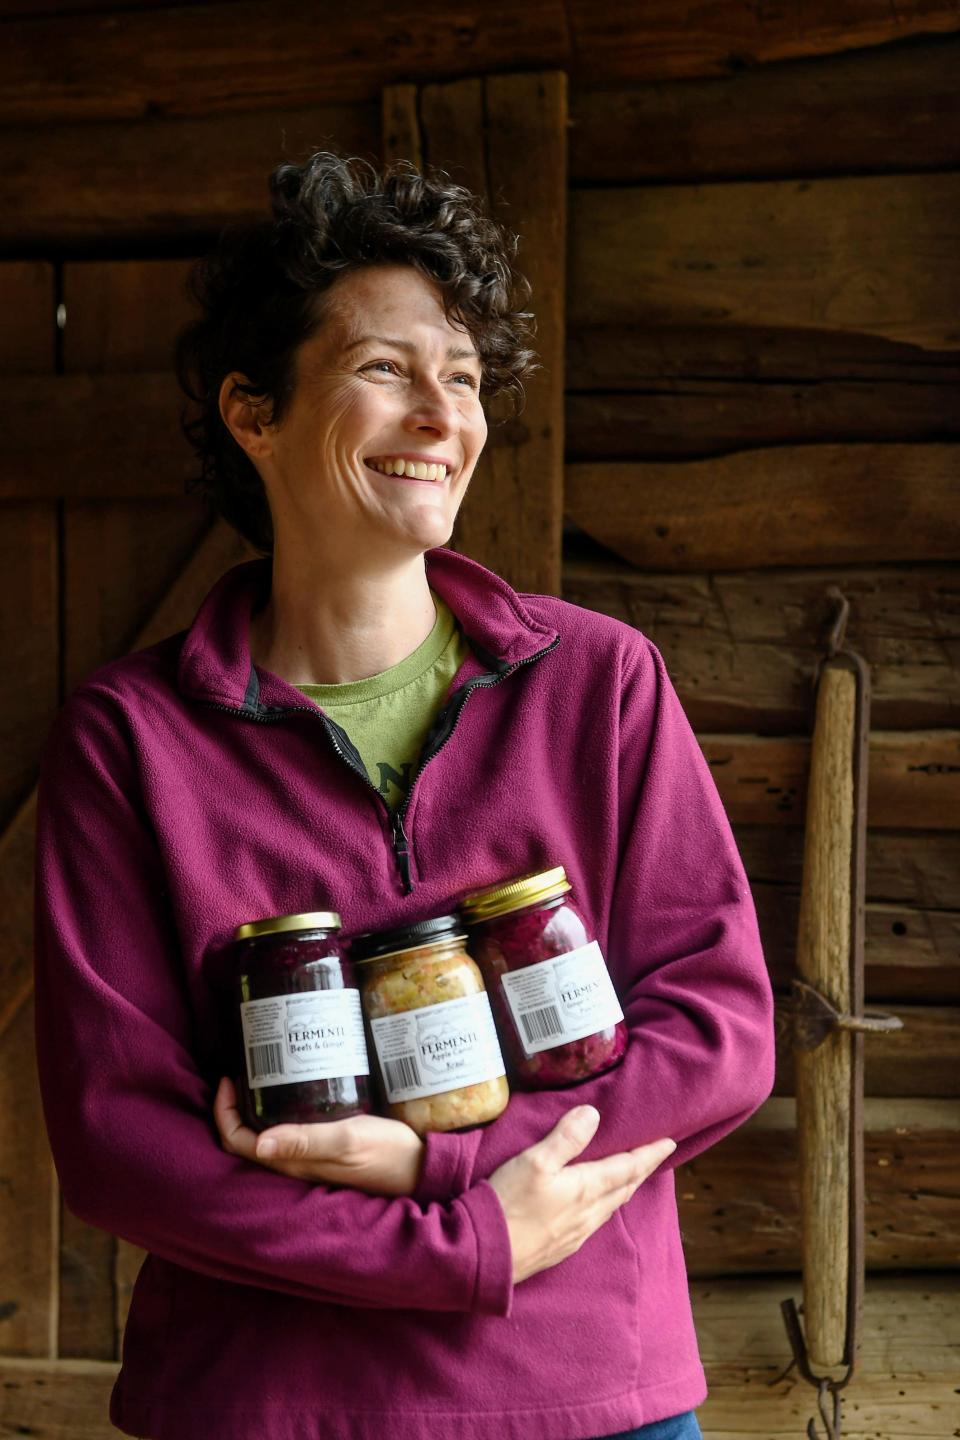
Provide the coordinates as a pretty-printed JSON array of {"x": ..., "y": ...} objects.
[
  {"x": 366, "y": 1152},
  {"x": 552, "y": 1207}
]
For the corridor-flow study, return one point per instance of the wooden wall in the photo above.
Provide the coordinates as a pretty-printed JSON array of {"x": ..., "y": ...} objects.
[{"x": 758, "y": 356}]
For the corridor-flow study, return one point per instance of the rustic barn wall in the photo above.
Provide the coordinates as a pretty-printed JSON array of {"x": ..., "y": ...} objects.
[{"x": 760, "y": 350}]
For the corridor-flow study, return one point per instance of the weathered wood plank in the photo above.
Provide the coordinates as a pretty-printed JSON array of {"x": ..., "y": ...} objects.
[
  {"x": 918, "y": 1062},
  {"x": 832, "y": 116},
  {"x": 910, "y": 868},
  {"x": 795, "y": 505},
  {"x": 130, "y": 65},
  {"x": 122, "y": 316},
  {"x": 28, "y": 1201},
  {"x": 910, "y": 1336},
  {"x": 630, "y": 358},
  {"x": 68, "y": 184},
  {"x": 741, "y": 646},
  {"x": 910, "y": 954},
  {"x": 505, "y": 138},
  {"x": 90, "y": 418},
  {"x": 912, "y": 1191},
  {"x": 400, "y": 125},
  {"x": 686, "y": 419},
  {"x": 914, "y": 778},
  {"x": 872, "y": 254}
]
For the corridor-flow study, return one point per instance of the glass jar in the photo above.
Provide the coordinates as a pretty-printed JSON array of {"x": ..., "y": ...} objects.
[
  {"x": 434, "y": 1042},
  {"x": 297, "y": 1021},
  {"x": 557, "y": 1011}
]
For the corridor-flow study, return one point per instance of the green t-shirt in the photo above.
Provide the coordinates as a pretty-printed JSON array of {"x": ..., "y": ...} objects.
[{"x": 387, "y": 716}]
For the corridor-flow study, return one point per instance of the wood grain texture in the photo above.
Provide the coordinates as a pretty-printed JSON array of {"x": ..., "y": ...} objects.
[
  {"x": 739, "y": 1201},
  {"x": 914, "y": 778},
  {"x": 823, "y": 961},
  {"x": 621, "y": 356},
  {"x": 815, "y": 117},
  {"x": 741, "y": 646},
  {"x": 868, "y": 254},
  {"x": 131, "y": 64},
  {"x": 917, "y": 1062},
  {"x": 505, "y": 138},
  {"x": 400, "y": 124},
  {"x": 689, "y": 419},
  {"x": 791, "y": 505},
  {"x": 903, "y": 1386},
  {"x": 69, "y": 184},
  {"x": 28, "y": 1201}
]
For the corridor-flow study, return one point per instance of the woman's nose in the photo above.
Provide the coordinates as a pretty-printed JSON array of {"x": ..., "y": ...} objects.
[{"x": 432, "y": 409}]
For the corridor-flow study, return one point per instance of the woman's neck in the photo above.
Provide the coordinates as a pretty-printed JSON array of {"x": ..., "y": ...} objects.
[{"x": 327, "y": 626}]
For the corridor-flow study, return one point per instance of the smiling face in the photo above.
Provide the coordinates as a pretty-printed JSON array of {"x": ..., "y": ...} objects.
[{"x": 380, "y": 438}]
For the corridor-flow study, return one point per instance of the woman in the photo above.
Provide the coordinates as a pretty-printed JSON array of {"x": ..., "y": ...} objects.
[{"x": 368, "y": 722}]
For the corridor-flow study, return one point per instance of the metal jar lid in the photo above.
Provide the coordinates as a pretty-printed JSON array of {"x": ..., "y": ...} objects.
[
  {"x": 284, "y": 924},
  {"x": 378, "y": 944},
  {"x": 514, "y": 894}
]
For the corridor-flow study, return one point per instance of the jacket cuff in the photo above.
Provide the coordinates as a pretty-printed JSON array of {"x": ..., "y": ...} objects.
[
  {"x": 447, "y": 1166},
  {"x": 493, "y": 1292}
]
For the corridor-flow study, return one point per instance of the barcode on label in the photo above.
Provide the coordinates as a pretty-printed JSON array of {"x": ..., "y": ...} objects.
[
  {"x": 402, "y": 1074},
  {"x": 265, "y": 1061},
  {"x": 541, "y": 1024}
]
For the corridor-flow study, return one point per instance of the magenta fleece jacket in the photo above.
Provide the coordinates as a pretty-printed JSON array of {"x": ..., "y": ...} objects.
[{"x": 184, "y": 791}]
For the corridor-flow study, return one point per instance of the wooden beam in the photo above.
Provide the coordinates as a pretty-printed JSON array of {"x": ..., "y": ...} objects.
[
  {"x": 917, "y": 1062},
  {"x": 826, "y": 116},
  {"x": 505, "y": 138},
  {"x": 824, "y": 254},
  {"x": 633, "y": 358},
  {"x": 670, "y": 418},
  {"x": 796, "y": 505},
  {"x": 741, "y": 646},
  {"x": 912, "y": 1191},
  {"x": 914, "y": 778},
  {"x": 130, "y": 179},
  {"x": 128, "y": 65}
]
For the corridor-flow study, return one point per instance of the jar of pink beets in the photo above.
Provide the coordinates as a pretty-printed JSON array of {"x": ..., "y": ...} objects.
[{"x": 557, "y": 1012}]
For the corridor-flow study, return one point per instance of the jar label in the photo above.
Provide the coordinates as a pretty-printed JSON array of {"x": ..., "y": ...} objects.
[
  {"x": 312, "y": 1035},
  {"x": 562, "y": 999},
  {"x": 437, "y": 1048}
]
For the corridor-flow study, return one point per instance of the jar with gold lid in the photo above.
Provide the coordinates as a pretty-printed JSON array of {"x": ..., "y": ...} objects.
[
  {"x": 297, "y": 1021},
  {"x": 556, "y": 1008},
  {"x": 433, "y": 1040}
]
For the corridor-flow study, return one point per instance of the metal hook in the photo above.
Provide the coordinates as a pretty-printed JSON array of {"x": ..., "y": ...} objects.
[
  {"x": 838, "y": 630},
  {"x": 831, "y": 1423}
]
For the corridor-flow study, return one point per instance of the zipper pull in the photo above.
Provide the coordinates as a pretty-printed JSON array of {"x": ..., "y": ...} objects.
[{"x": 401, "y": 850}]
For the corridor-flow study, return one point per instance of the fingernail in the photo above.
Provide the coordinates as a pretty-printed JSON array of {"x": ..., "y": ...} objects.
[
  {"x": 266, "y": 1148},
  {"x": 673, "y": 1146},
  {"x": 587, "y": 1119}
]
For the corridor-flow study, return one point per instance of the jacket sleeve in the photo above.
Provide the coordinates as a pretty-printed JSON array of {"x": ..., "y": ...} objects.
[
  {"x": 683, "y": 950},
  {"x": 128, "y": 1111}
]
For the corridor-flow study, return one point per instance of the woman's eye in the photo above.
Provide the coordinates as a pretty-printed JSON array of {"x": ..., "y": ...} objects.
[
  {"x": 467, "y": 379},
  {"x": 386, "y": 367}
]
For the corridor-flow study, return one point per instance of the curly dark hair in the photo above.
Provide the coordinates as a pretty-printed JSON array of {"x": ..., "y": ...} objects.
[{"x": 258, "y": 293}]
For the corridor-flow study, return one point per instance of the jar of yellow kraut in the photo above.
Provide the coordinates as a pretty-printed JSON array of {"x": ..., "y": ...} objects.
[{"x": 433, "y": 1042}]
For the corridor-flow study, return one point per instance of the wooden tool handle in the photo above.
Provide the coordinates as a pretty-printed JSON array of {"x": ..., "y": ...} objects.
[{"x": 823, "y": 1075}]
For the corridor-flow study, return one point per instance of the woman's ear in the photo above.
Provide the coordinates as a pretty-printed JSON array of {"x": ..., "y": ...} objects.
[{"x": 246, "y": 417}]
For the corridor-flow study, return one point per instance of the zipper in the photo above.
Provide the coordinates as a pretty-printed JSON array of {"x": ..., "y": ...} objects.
[{"x": 400, "y": 841}]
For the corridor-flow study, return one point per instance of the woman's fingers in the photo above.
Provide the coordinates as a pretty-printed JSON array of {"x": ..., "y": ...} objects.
[{"x": 237, "y": 1137}]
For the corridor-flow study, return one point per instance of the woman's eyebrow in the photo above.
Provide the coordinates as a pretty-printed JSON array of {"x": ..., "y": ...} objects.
[{"x": 453, "y": 353}]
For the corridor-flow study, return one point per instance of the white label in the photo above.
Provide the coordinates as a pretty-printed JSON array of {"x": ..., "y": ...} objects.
[
  {"x": 312, "y": 1035},
  {"x": 436, "y": 1048},
  {"x": 567, "y": 998}
]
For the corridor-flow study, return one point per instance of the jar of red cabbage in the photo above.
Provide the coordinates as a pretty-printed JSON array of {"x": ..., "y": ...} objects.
[
  {"x": 298, "y": 1022},
  {"x": 434, "y": 1042},
  {"x": 556, "y": 1008}
]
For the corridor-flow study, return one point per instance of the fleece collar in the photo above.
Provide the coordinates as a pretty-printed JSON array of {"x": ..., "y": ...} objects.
[{"x": 215, "y": 664}]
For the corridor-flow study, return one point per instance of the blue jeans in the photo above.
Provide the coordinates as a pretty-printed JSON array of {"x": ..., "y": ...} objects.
[{"x": 678, "y": 1427}]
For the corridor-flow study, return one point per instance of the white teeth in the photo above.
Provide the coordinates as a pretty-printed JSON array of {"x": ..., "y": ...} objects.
[{"x": 412, "y": 469}]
